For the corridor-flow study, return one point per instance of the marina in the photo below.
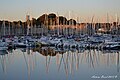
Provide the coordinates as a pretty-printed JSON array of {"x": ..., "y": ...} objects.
[
  {"x": 57, "y": 31},
  {"x": 86, "y": 42},
  {"x": 60, "y": 40},
  {"x": 63, "y": 50}
]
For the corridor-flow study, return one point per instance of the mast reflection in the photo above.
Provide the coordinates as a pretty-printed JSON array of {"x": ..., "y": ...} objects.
[
  {"x": 70, "y": 61},
  {"x": 73, "y": 58},
  {"x": 3, "y": 61},
  {"x": 118, "y": 64}
]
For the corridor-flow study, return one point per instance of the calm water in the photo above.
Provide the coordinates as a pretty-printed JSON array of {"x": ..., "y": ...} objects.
[{"x": 56, "y": 64}]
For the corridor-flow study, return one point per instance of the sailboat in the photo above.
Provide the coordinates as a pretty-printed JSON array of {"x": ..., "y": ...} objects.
[{"x": 3, "y": 44}]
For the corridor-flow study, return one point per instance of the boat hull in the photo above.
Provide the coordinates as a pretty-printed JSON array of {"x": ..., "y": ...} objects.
[
  {"x": 3, "y": 48},
  {"x": 112, "y": 48}
]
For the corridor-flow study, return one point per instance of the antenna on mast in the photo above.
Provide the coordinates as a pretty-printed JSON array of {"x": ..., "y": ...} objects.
[{"x": 107, "y": 18}]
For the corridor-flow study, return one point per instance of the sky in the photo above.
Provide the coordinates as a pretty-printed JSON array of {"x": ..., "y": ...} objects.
[{"x": 83, "y": 10}]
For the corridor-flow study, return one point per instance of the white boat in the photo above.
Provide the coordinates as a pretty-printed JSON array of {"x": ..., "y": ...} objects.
[
  {"x": 73, "y": 43},
  {"x": 63, "y": 43},
  {"x": 111, "y": 45},
  {"x": 83, "y": 44},
  {"x": 21, "y": 43},
  {"x": 44, "y": 40},
  {"x": 54, "y": 41},
  {"x": 68, "y": 43},
  {"x": 3, "y": 48},
  {"x": 3, "y": 45}
]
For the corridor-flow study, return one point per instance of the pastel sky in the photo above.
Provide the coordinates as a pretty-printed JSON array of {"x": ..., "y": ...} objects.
[{"x": 84, "y": 9}]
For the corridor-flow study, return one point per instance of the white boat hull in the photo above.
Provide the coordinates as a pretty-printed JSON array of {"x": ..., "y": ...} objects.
[{"x": 3, "y": 48}]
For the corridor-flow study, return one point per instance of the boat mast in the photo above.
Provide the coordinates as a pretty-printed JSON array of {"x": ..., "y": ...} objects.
[
  {"x": 76, "y": 29},
  {"x": 13, "y": 31},
  {"x": 72, "y": 27},
  {"x": 46, "y": 25},
  {"x": 3, "y": 27},
  {"x": 35, "y": 29},
  {"x": 28, "y": 27},
  {"x": 19, "y": 28},
  {"x": 58, "y": 24},
  {"x": 69, "y": 23},
  {"x": 116, "y": 23},
  {"x": 63, "y": 27},
  {"x": 66, "y": 28},
  {"x": 107, "y": 25},
  {"x": 28, "y": 23},
  {"x": 31, "y": 27},
  {"x": 91, "y": 31},
  {"x": 9, "y": 28}
]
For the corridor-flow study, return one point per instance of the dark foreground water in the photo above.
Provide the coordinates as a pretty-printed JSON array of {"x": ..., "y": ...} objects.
[{"x": 57, "y": 64}]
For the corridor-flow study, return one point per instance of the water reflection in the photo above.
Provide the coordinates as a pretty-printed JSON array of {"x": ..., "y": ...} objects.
[
  {"x": 118, "y": 66},
  {"x": 62, "y": 62},
  {"x": 3, "y": 57}
]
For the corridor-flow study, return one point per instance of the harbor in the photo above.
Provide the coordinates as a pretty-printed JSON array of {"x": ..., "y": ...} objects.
[
  {"x": 59, "y": 40},
  {"x": 59, "y": 32},
  {"x": 68, "y": 57},
  {"x": 67, "y": 49},
  {"x": 100, "y": 42}
]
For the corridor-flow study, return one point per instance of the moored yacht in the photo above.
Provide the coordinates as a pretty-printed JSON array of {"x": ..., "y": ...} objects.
[
  {"x": 111, "y": 45},
  {"x": 3, "y": 45}
]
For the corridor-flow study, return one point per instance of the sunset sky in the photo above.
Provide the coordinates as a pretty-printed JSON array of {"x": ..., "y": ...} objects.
[{"x": 84, "y": 9}]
